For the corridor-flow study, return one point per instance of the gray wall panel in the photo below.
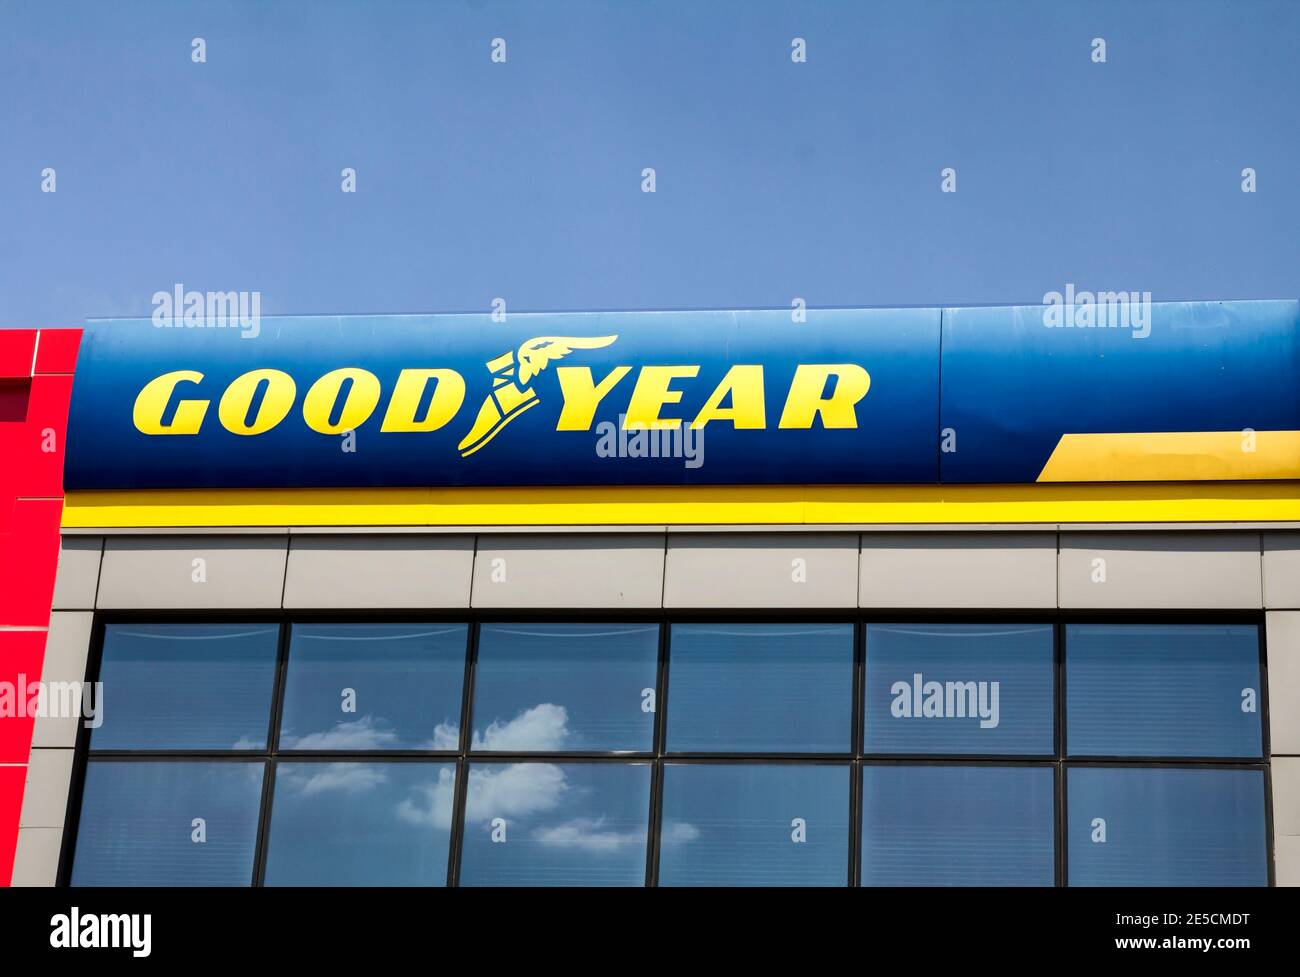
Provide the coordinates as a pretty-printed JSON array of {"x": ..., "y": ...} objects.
[
  {"x": 67, "y": 649},
  {"x": 143, "y": 572},
  {"x": 789, "y": 570},
  {"x": 36, "y": 860},
  {"x": 78, "y": 575},
  {"x": 597, "y": 572},
  {"x": 1282, "y": 570},
  {"x": 1282, "y": 641},
  {"x": 45, "y": 798},
  {"x": 379, "y": 571},
  {"x": 1157, "y": 571},
  {"x": 958, "y": 570}
]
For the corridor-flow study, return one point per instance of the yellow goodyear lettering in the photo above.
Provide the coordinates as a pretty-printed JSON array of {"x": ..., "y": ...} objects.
[
  {"x": 358, "y": 405},
  {"x": 582, "y": 395},
  {"x": 151, "y": 403},
  {"x": 652, "y": 393},
  {"x": 238, "y": 400},
  {"x": 747, "y": 410},
  {"x": 448, "y": 395},
  {"x": 738, "y": 398},
  {"x": 805, "y": 401}
]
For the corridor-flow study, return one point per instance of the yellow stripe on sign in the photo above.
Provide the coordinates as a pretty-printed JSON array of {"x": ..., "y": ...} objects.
[
  {"x": 820, "y": 505},
  {"x": 1187, "y": 457}
]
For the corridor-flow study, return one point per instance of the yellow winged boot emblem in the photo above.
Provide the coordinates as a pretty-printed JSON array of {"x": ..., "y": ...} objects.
[{"x": 511, "y": 395}]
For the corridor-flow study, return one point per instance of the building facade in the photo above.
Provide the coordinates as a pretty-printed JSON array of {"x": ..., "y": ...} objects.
[{"x": 937, "y": 597}]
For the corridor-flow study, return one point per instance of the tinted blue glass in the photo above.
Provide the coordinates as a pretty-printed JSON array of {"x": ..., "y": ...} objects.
[
  {"x": 361, "y": 824},
  {"x": 1162, "y": 690},
  {"x": 187, "y": 686},
  {"x": 957, "y": 825},
  {"x": 959, "y": 688},
  {"x": 1166, "y": 826},
  {"x": 769, "y": 688},
  {"x": 374, "y": 687},
  {"x": 556, "y": 824},
  {"x": 575, "y": 687},
  {"x": 755, "y": 824},
  {"x": 138, "y": 823}
]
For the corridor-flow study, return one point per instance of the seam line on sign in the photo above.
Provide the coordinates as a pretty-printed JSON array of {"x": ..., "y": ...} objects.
[
  {"x": 938, "y": 409},
  {"x": 35, "y": 349}
]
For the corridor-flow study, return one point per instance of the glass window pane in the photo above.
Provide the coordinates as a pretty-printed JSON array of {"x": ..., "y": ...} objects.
[
  {"x": 755, "y": 824},
  {"x": 187, "y": 686},
  {"x": 556, "y": 824},
  {"x": 770, "y": 688},
  {"x": 1166, "y": 826},
  {"x": 565, "y": 687},
  {"x": 168, "y": 824},
  {"x": 959, "y": 688},
  {"x": 958, "y": 825},
  {"x": 374, "y": 687},
  {"x": 1162, "y": 690},
  {"x": 361, "y": 823}
]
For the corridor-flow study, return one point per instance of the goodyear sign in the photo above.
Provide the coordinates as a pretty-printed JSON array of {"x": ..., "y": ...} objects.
[{"x": 1211, "y": 390}]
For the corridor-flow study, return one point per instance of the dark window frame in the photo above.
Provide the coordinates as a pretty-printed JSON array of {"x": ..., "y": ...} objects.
[{"x": 658, "y": 756}]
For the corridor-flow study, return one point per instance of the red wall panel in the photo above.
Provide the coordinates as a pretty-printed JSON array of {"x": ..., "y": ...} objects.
[
  {"x": 56, "y": 351},
  {"x": 12, "y": 780},
  {"x": 17, "y": 347},
  {"x": 35, "y": 387},
  {"x": 22, "y": 654},
  {"x": 33, "y": 449},
  {"x": 29, "y": 555}
]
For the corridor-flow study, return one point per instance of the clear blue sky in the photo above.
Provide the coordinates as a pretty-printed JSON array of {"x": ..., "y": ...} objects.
[{"x": 522, "y": 179}]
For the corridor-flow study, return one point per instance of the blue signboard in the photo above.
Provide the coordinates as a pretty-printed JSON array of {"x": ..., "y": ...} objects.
[
  {"x": 565, "y": 399},
  {"x": 1078, "y": 392},
  {"x": 1015, "y": 384}
]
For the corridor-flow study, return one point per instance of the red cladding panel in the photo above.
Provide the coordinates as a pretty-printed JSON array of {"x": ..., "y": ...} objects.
[
  {"x": 12, "y": 780},
  {"x": 35, "y": 447},
  {"x": 56, "y": 351},
  {"x": 22, "y": 654},
  {"x": 29, "y": 555},
  {"x": 16, "y": 349},
  {"x": 33, "y": 422}
]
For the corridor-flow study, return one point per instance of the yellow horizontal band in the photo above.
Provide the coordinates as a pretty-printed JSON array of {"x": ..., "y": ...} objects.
[
  {"x": 1189, "y": 456},
  {"x": 1272, "y": 501}
]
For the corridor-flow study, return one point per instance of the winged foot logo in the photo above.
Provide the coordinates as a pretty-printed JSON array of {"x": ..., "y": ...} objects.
[{"x": 510, "y": 395}]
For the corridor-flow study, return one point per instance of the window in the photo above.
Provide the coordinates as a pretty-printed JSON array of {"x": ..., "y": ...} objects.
[
  {"x": 959, "y": 688},
  {"x": 769, "y": 688},
  {"x": 168, "y": 823},
  {"x": 359, "y": 687},
  {"x": 556, "y": 824},
  {"x": 361, "y": 823},
  {"x": 1166, "y": 826},
  {"x": 613, "y": 753},
  {"x": 1148, "y": 690},
  {"x": 754, "y": 824},
  {"x": 187, "y": 686},
  {"x": 969, "y": 824},
  {"x": 565, "y": 687}
]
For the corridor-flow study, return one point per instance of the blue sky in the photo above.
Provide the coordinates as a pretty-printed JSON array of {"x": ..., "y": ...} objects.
[{"x": 523, "y": 180}]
